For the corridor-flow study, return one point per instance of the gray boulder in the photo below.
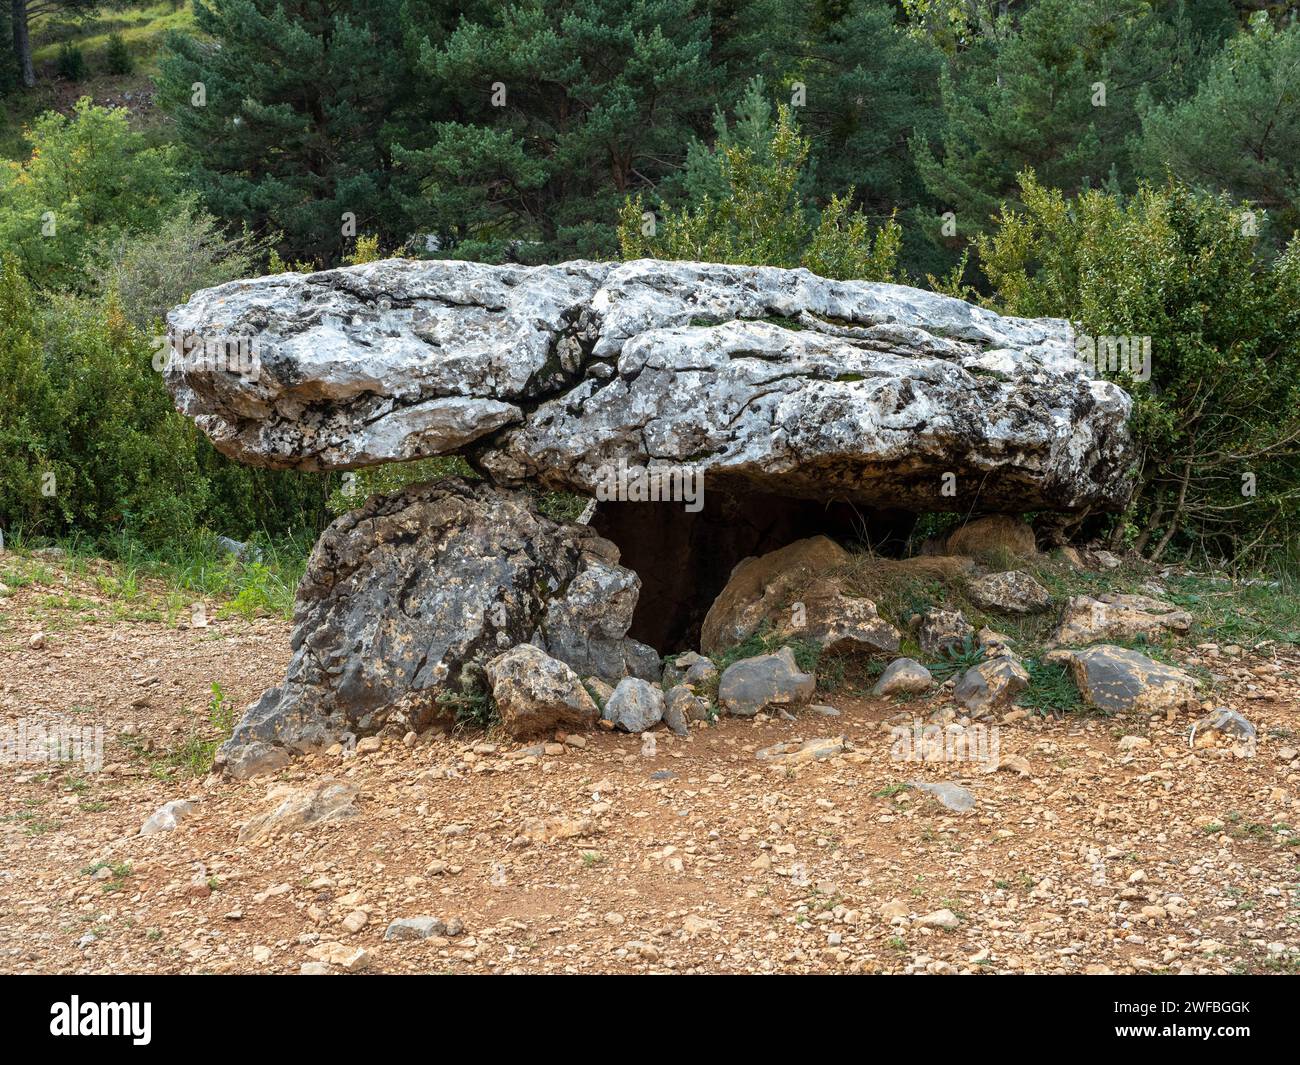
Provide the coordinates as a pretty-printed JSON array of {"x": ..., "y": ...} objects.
[
  {"x": 1012, "y": 592},
  {"x": 402, "y": 929},
  {"x": 536, "y": 694},
  {"x": 689, "y": 668},
  {"x": 903, "y": 676},
  {"x": 682, "y": 706},
  {"x": 754, "y": 684},
  {"x": 635, "y": 706},
  {"x": 1118, "y": 616},
  {"x": 404, "y": 601},
  {"x": 991, "y": 684},
  {"x": 943, "y": 630},
  {"x": 586, "y": 625},
  {"x": 1117, "y": 678},
  {"x": 765, "y": 379},
  {"x": 167, "y": 817}
]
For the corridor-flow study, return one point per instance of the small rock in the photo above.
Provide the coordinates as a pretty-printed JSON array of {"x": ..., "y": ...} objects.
[
  {"x": 754, "y": 684},
  {"x": 903, "y": 675},
  {"x": 167, "y": 817},
  {"x": 953, "y": 796},
  {"x": 991, "y": 684},
  {"x": 945, "y": 919},
  {"x": 942, "y": 630},
  {"x": 406, "y": 928},
  {"x": 296, "y": 808},
  {"x": 1011, "y": 592},
  {"x": 635, "y": 706},
  {"x": 536, "y": 694}
]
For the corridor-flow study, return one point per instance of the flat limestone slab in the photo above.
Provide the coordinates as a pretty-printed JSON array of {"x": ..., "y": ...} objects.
[{"x": 763, "y": 379}]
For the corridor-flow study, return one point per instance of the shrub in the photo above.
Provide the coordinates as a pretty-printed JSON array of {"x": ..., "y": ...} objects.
[
  {"x": 71, "y": 63},
  {"x": 117, "y": 57},
  {"x": 89, "y": 181},
  {"x": 762, "y": 219},
  {"x": 152, "y": 272},
  {"x": 1217, "y": 424},
  {"x": 89, "y": 439}
]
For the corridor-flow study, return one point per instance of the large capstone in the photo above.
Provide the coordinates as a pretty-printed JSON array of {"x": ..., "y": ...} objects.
[
  {"x": 405, "y": 600},
  {"x": 760, "y": 379}
]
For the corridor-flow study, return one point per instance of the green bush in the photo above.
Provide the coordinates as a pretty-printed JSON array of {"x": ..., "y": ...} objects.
[
  {"x": 762, "y": 219},
  {"x": 89, "y": 181},
  {"x": 71, "y": 63},
  {"x": 1217, "y": 425},
  {"x": 117, "y": 57},
  {"x": 90, "y": 441}
]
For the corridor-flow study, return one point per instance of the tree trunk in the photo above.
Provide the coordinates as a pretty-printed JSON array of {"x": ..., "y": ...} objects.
[{"x": 22, "y": 42}]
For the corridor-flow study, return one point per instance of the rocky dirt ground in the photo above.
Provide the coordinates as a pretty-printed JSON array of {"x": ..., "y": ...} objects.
[{"x": 1101, "y": 845}]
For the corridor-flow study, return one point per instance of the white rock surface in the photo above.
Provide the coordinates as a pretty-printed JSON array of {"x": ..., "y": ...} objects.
[{"x": 766, "y": 379}]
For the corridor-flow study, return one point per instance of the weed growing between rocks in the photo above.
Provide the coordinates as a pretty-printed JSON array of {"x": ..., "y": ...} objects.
[{"x": 1051, "y": 690}]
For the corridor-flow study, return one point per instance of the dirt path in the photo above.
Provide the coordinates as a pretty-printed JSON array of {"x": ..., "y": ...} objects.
[{"x": 1141, "y": 856}]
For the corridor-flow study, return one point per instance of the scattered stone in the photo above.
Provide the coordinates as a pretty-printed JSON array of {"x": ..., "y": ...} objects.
[
  {"x": 1012, "y": 592},
  {"x": 903, "y": 676},
  {"x": 1227, "y": 723},
  {"x": 689, "y": 668},
  {"x": 296, "y": 808},
  {"x": 1114, "y": 616},
  {"x": 840, "y": 624},
  {"x": 762, "y": 589},
  {"x": 253, "y": 759},
  {"x": 944, "y": 919},
  {"x": 682, "y": 706},
  {"x": 943, "y": 630},
  {"x": 167, "y": 817},
  {"x": 754, "y": 684},
  {"x": 1114, "y": 679},
  {"x": 994, "y": 644},
  {"x": 991, "y": 684},
  {"x": 535, "y": 694},
  {"x": 794, "y": 753},
  {"x": 407, "y": 928},
  {"x": 351, "y": 958},
  {"x": 635, "y": 706},
  {"x": 953, "y": 796}
]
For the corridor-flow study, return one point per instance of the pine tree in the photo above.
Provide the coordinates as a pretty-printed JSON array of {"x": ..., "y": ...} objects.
[
  {"x": 1059, "y": 91},
  {"x": 870, "y": 86},
  {"x": 289, "y": 110},
  {"x": 564, "y": 109},
  {"x": 1240, "y": 132}
]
